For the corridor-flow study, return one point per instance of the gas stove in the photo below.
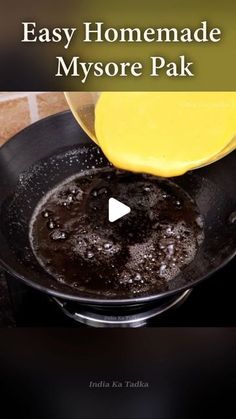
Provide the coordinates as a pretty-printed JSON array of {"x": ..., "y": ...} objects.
[{"x": 211, "y": 303}]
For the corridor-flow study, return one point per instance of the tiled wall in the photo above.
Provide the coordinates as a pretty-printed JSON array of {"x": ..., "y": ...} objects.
[{"x": 19, "y": 109}]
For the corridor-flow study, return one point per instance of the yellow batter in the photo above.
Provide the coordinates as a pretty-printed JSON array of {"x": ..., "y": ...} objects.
[{"x": 164, "y": 133}]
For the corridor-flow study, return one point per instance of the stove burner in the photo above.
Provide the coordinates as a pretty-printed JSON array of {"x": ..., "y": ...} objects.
[{"x": 134, "y": 316}]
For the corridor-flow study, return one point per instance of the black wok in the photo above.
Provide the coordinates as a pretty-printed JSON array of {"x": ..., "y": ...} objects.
[{"x": 54, "y": 148}]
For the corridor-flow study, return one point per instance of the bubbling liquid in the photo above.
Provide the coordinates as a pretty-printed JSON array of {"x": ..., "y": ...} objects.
[{"x": 138, "y": 254}]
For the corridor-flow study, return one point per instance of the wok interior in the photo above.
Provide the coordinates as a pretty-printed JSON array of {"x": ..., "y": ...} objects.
[{"x": 48, "y": 152}]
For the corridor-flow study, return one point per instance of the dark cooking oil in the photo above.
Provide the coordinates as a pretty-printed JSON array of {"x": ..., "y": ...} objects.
[{"x": 140, "y": 253}]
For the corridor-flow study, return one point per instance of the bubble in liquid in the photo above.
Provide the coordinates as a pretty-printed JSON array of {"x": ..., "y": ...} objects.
[
  {"x": 58, "y": 235},
  {"x": 107, "y": 246},
  {"x": 46, "y": 214},
  {"x": 51, "y": 225},
  {"x": 178, "y": 204},
  {"x": 89, "y": 254}
]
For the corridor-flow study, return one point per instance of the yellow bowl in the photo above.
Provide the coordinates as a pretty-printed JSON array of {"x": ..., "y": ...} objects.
[{"x": 82, "y": 105}]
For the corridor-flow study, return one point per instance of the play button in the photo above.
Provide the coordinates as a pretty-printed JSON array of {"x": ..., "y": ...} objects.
[{"x": 116, "y": 210}]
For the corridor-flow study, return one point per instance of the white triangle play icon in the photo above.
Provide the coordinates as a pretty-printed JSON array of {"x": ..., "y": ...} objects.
[{"x": 116, "y": 210}]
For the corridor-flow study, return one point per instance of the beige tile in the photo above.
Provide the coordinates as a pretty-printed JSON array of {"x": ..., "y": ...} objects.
[
  {"x": 14, "y": 116},
  {"x": 50, "y": 103}
]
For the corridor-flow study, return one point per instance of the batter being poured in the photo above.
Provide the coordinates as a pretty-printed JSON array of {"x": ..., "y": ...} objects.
[{"x": 164, "y": 133}]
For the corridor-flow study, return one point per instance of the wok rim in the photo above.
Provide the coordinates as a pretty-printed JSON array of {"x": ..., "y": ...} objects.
[{"x": 113, "y": 301}]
